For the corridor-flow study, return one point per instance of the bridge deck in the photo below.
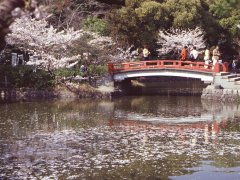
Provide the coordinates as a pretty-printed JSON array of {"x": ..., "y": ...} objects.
[{"x": 170, "y": 64}]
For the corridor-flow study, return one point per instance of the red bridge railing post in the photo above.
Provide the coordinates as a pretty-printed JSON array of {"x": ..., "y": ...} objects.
[
  {"x": 217, "y": 68},
  {"x": 110, "y": 67},
  {"x": 225, "y": 67}
]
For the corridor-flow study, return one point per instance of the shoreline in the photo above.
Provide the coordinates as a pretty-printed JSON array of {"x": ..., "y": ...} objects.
[
  {"x": 85, "y": 91},
  {"x": 60, "y": 92},
  {"x": 220, "y": 95}
]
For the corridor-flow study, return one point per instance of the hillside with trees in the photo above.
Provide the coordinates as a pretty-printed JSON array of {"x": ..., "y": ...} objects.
[{"x": 58, "y": 36}]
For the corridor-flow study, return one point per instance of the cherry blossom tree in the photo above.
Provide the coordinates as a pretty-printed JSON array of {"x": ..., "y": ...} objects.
[
  {"x": 54, "y": 48},
  {"x": 177, "y": 39},
  {"x": 49, "y": 43},
  {"x": 124, "y": 54}
]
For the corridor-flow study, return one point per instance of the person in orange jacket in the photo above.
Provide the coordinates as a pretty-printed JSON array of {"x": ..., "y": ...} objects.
[{"x": 184, "y": 54}]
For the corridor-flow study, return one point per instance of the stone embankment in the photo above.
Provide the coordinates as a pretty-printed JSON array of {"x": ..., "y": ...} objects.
[
  {"x": 67, "y": 91},
  {"x": 225, "y": 88},
  {"x": 225, "y": 95}
]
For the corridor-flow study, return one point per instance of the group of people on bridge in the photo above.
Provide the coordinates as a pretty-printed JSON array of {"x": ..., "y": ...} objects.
[
  {"x": 210, "y": 57},
  {"x": 194, "y": 55}
]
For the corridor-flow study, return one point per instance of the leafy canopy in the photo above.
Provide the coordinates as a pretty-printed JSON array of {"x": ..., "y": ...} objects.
[
  {"x": 136, "y": 23},
  {"x": 227, "y": 13}
]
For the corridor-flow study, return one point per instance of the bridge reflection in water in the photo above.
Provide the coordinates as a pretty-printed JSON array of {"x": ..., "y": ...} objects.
[
  {"x": 210, "y": 129},
  {"x": 207, "y": 118}
]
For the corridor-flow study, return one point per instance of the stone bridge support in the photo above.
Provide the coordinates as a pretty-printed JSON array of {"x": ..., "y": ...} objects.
[{"x": 225, "y": 87}]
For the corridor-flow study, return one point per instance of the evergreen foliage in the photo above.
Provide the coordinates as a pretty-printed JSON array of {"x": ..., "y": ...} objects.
[
  {"x": 94, "y": 24},
  {"x": 138, "y": 21},
  {"x": 227, "y": 14}
]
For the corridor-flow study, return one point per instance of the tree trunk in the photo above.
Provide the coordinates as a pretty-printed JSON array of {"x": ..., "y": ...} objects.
[{"x": 6, "y": 7}]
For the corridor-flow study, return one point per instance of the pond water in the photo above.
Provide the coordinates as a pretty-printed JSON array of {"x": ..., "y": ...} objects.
[{"x": 147, "y": 137}]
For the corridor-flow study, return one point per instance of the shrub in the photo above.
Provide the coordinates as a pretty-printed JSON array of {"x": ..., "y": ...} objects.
[
  {"x": 25, "y": 77},
  {"x": 66, "y": 72},
  {"x": 97, "y": 70}
]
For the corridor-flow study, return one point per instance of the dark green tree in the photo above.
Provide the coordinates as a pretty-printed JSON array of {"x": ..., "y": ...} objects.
[
  {"x": 137, "y": 23},
  {"x": 94, "y": 24},
  {"x": 227, "y": 13}
]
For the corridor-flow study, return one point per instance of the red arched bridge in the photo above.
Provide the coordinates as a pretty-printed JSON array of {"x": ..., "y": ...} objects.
[{"x": 188, "y": 69}]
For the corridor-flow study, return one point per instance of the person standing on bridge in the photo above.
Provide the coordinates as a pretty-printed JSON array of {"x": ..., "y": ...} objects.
[
  {"x": 216, "y": 55},
  {"x": 184, "y": 54},
  {"x": 146, "y": 53},
  {"x": 207, "y": 57},
  {"x": 194, "y": 53}
]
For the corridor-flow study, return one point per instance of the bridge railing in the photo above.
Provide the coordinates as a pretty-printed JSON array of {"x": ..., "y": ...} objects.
[{"x": 161, "y": 64}]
